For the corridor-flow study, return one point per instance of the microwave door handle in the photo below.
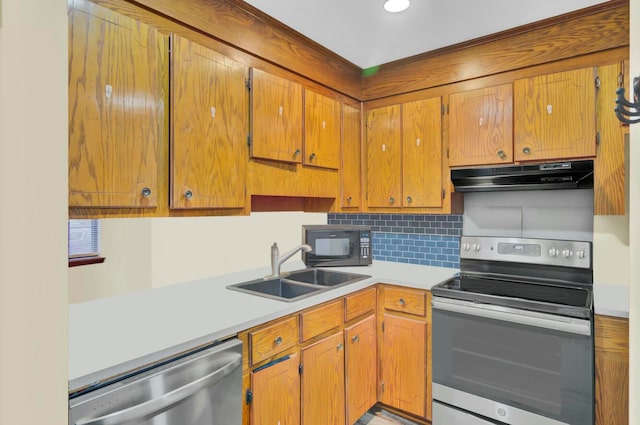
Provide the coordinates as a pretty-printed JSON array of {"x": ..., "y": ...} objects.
[
  {"x": 512, "y": 315},
  {"x": 166, "y": 400}
]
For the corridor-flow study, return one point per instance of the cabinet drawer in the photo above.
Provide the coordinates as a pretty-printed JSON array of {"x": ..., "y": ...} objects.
[
  {"x": 411, "y": 301},
  {"x": 321, "y": 319},
  {"x": 356, "y": 305},
  {"x": 269, "y": 341}
]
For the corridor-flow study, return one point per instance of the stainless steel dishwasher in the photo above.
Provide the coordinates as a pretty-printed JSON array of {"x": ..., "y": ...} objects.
[{"x": 200, "y": 388}]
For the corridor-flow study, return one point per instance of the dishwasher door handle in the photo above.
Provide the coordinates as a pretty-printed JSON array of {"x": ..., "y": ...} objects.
[
  {"x": 507, "y": 314},
  {"x": 166, "y": 400}
]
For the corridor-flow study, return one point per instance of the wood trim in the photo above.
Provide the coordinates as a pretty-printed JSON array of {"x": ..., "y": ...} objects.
[
  {"x": 83, "y": 261},
  {"x": 593, "y": 30},
  {"x": 250, "y": 30}
]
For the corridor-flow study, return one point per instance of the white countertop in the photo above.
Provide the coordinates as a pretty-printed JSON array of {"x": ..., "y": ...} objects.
[{"x": 111, "y": 336}]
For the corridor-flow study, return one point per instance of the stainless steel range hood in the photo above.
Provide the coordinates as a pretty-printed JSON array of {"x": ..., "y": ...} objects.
[{"x": 557, "y": 175}]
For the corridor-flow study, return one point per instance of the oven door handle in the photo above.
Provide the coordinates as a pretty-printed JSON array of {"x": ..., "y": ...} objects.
[{"x": 513, "y": 315}]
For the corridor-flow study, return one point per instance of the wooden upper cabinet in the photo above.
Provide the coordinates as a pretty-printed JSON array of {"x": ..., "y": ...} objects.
[
  {"x": 209, "y": 128},
  {"x": 350, "y": 168},
  {"x": 481, "y": 126},
  {"x": 276, "y": 117},
  {"x": 609, "y": 166},
  {"x": 422, "y": 153},
  {"x": 117, "y": 88},
  {"x": 321, "y": 131},
  {"x": 554, "y": 116},
  {"x": 384, "y": 150}
]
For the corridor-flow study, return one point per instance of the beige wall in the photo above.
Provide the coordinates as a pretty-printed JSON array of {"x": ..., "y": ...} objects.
[
  {"x": 33, "y": 212},
  {"x": 634, "y": 220},
  {"x": 146, "y": 253},
  {"x": 611, "y": 250}
]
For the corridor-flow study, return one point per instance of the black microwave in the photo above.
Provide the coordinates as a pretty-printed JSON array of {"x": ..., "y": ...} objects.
[{"x": 337, "y": 245}]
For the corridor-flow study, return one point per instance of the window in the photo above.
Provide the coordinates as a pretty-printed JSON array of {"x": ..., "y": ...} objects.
[{"x": 84, "y": 242}]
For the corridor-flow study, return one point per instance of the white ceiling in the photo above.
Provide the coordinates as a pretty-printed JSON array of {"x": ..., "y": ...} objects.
[{"x": 362, "y": 32}]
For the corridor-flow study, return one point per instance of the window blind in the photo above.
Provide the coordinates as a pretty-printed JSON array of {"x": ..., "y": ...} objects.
[{"x": 84, "y": 238}]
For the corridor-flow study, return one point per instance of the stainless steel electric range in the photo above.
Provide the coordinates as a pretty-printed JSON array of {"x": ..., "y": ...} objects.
[{"x": 513, "y": 334}]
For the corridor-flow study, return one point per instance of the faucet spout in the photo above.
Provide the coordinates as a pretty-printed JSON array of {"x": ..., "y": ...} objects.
[{"x": 277, "y": 260}]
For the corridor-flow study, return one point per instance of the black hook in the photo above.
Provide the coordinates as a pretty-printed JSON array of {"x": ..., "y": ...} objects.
[{"x": 634, "y": 108}]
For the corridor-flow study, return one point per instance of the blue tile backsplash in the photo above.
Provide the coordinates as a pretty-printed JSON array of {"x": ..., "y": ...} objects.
[{"x": 427, "y": 239}]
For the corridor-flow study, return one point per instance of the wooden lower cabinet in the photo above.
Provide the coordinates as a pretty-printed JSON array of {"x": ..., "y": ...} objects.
[
  {"x": 403, "y": 365},
  {"x": 612, "y": 370},
  {"x": 322, "y": 382},
  {"x": 361, "y": 362},
  {"x": 276, "y": 389}
]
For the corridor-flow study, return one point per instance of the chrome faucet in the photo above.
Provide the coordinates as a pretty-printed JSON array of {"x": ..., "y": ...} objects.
[{"x": 276, "y": 260}]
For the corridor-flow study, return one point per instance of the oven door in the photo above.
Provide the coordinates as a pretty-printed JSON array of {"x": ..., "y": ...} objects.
[{"x": 514, "y": 366}]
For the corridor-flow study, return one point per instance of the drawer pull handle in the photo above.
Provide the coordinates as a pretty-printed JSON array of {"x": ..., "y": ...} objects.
[
  {"x": 402, "y": 302},
  {"x": 526, "y": 151},
  {"x": 355, "y": 338},
  {"x": 501, "y": 154},
  {"x": 278, "y": 340}
]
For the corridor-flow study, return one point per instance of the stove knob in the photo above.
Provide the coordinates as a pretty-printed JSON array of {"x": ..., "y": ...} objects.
[
  {"x": 567, "y": 253},
  {"x": 476, "y": 247},
  {"x": 466, "y": 246},
  {"x": 580, "y": 254},
  {"x": 553, "y": 252}
]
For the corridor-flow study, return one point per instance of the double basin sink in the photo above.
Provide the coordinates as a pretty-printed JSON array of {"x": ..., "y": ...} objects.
[{"x": 298, "y": 284}]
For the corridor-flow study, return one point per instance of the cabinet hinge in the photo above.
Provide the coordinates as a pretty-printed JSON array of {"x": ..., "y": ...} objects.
[
  {"x": 597, "y": 82},
  {"x": 382, "y": 326},
  {"x": 249, "y": 141},
  {"x": 247, "y": 84},
  {"x": 443, "y": 194},
  {"x": 447, "y": 153},
  {"x": 300, "y": 369},
  {"x": 445, "y": 109},
  {"x": 249, "y": 397},
  {"x": 621, "y": 79},
  {"x": 382, "y": 386},
  {"x": 598, "y": 139}
]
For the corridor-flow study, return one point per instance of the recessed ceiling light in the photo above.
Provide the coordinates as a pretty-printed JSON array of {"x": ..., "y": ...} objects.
[{"x": 395, "y": 6}]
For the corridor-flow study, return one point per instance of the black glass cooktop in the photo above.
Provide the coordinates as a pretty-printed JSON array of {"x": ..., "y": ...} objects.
[{"x": 547, "y": 297}]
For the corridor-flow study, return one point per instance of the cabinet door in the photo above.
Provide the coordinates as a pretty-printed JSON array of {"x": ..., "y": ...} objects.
[
  {"x": 360, "y": 368},
  {"x": 422, "y": 153},
  {"x": 209, "y": 128},
  {"x": 117, "y": 85},
  {"x": 276, "y": 393},
  {"x": 350, "y": 169},
  {"x": 276, "y": 117},
  {"x": 384, "y": 152},
  {"x": 612, "y": 370},
  {"x": 402, "y": 370},
  {"x": 481, "y": 126},
  {"x": 554, "y": 116},
  {"x": 322, "y": 131},
  {"x": 323, "y": 382}
]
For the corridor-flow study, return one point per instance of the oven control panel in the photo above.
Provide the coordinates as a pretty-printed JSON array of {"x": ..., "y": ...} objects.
[{"x": 524, "y": 250}]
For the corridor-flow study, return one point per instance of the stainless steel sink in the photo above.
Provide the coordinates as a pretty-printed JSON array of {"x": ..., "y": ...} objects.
[
  {"x": 298, "y": 284},
  {"x": 325, "y": 277}
]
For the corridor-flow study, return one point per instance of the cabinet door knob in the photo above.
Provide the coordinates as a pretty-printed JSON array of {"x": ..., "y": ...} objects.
[
  {"x": 349, "y": 199},
  {"x": 355, "y": 338},
  {"x": 501, "y": 154},
  {"x": 312, "y": 156},
  {"x": 296, "y": 153},
  {"x": 146, "y": 192},
  {"x": 409, "y": 199},
  {"x": 402, "y": 302},
  {"x": 278, "y": 340},
  {"x": 526, "y": 151},
  {"x": 391, "y": 200},
  {"x": 188, "y": 194},
  {"x": 339, "y": 347}
]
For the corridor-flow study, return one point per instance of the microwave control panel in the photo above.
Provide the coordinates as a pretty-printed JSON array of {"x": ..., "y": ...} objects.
[{"x": 365, "y": 245}]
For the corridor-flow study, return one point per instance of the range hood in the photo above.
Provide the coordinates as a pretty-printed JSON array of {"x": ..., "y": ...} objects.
[{"x": 556, "y": 175}]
